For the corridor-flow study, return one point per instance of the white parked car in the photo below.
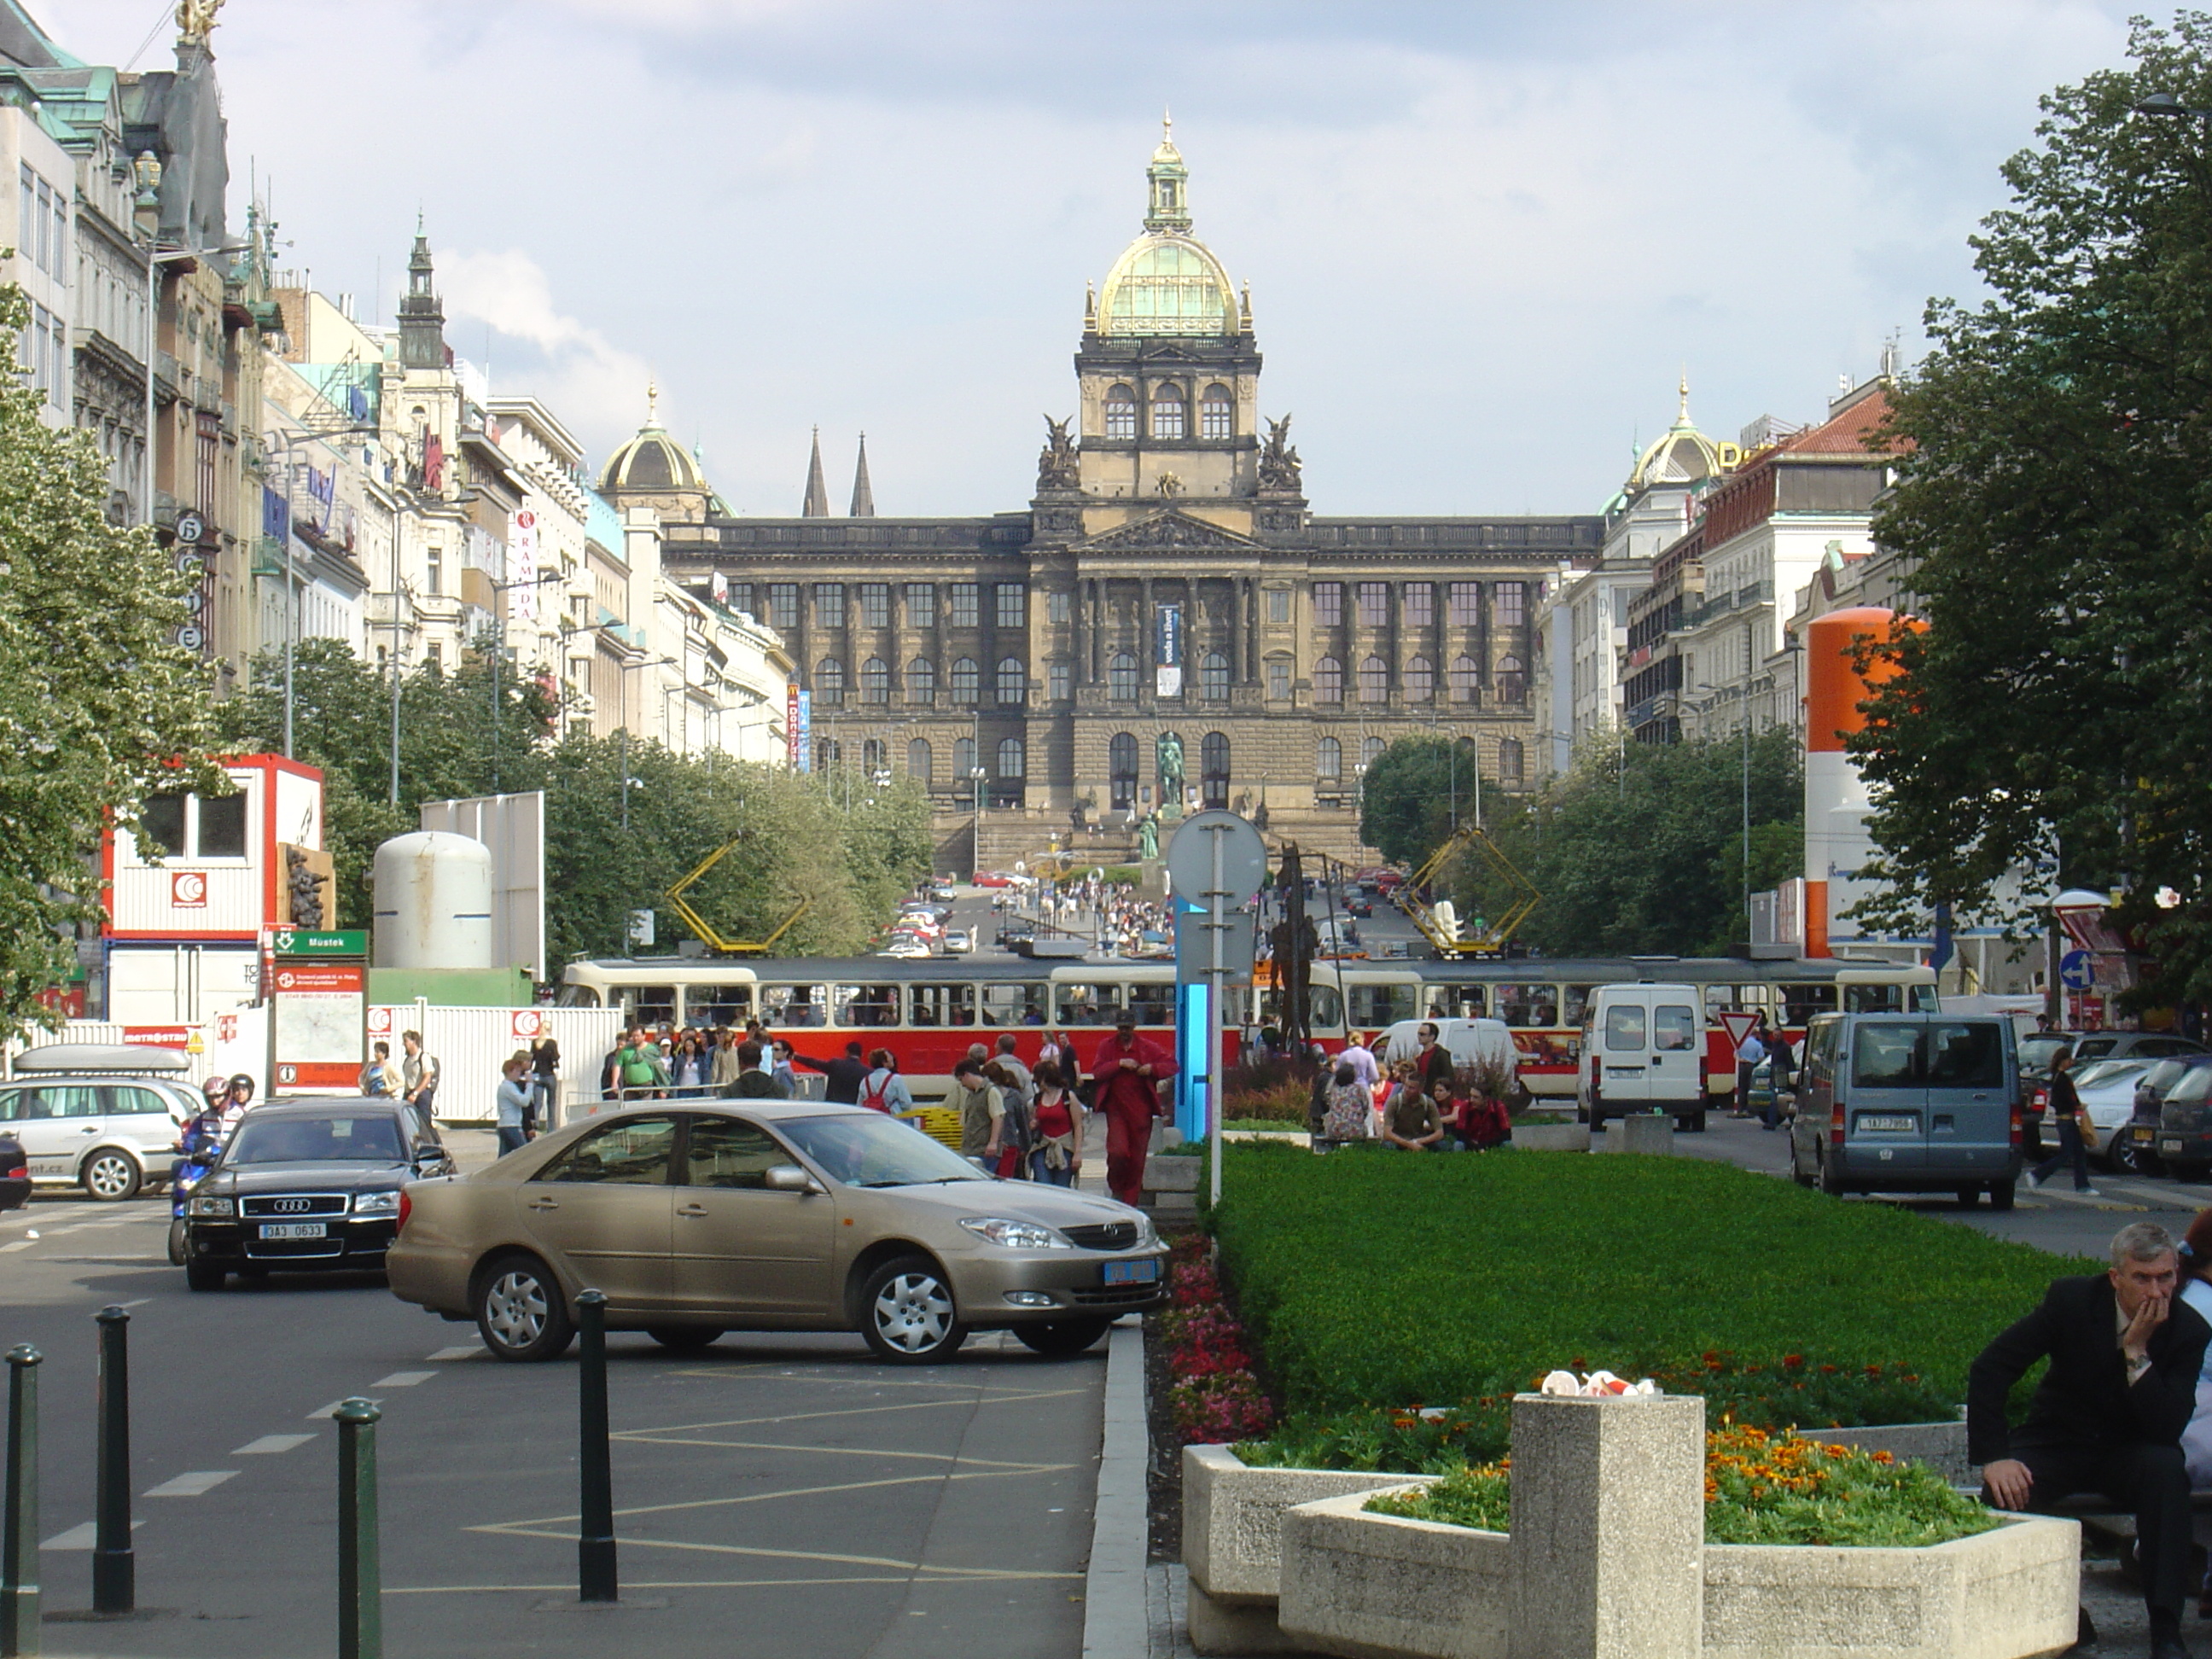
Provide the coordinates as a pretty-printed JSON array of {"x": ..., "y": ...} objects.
[
  {"x": 2107, "y": 1088},
  {"x": 102, "y": 1116},
  {"x": 958, "y": 942}
]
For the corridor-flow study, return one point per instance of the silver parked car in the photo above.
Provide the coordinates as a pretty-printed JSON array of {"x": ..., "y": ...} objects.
[
  {"x": 694, "y": 1217},
  {"x": 102, "y": 1116}
]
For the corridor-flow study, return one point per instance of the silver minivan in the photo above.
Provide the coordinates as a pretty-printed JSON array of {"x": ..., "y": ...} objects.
[
  {"x": 105, "y": 1117},
  {"x": 1909, "y": 1103}
]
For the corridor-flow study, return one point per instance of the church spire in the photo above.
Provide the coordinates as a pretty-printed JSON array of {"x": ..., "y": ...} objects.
[
  {"x": 421, "y": 317},
  {"x": 817, "y": 492},
  {"x": 1169, "y": 209},
  {"x": 864, "y": 495}
]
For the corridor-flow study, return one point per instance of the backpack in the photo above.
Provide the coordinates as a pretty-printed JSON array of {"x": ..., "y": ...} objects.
[{"x": 876, "y": 1098}]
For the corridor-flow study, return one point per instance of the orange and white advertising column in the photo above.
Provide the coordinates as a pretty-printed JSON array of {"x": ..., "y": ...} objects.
[{"x": 1837, "y": 845}]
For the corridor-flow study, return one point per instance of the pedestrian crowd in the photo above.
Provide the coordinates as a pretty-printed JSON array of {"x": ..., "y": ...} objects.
[{"x": 1427, "y": 1103}]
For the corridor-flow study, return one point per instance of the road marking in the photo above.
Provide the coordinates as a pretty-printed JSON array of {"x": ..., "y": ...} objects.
[
  {"x": 83, "y": 1536},
  {"x": 970, "y": 1398},
  {"x": 403, "y": 1379},
  {"x": 467, "y": 1350},
  {"x": 139, "y": 1302},
  {"x": 268, "y": 1445},
  {"x": 195, "y": 1485},
  {"x": 19, "y": 1244},
  {"x": 654, "y": 1438},
  {"x": 961, "y": 1575},
  {"x": 980, "y": 1578},
  {"x": 523, "y": 1528}
]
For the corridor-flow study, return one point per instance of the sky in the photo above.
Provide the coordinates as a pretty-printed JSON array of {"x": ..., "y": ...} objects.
[{"x": 1483, "y": 240}]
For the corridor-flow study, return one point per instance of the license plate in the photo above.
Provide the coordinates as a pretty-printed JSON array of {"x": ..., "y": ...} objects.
[
  {"x": 2171, "y": 1148},
  {"x": 295, "y": 1230},
  {"x": 2144, "y": 1135},
  {"x": 1131, "y": 1272},
  {"x": 1888, "y": 1125}
]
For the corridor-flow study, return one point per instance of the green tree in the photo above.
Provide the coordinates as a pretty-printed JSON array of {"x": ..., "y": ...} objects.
[
  {"x": 2053, "y": 452},
  {"x": 1638, "y": 852},
  {"x": 1415, "y": 793},
  {"x": 99, "y": 706}
]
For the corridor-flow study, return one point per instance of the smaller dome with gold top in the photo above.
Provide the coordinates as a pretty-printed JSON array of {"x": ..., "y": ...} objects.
[
  {"x": 1682, "y": 454},
  {"x": 652, "y": 460}
]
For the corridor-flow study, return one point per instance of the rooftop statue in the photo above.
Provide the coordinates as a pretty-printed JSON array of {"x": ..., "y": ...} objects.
[
  {"x": 1057, "y": 466},
  {"x": 1279, "y": 462}
]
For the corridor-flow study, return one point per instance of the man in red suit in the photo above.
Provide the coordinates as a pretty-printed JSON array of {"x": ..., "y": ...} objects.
[{"x": 1128, "y": 1071}]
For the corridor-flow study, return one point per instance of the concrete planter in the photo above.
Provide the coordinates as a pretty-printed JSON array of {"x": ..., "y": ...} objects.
[
  {"x": 1173, "y": 1175},
  {"x": 1378, "y": 1586},
  {"x": 1650, "y": 1134},
  {"x": 1552, "y": 1138},
  {"x": 1941, "y": 1446},
  {"x": 1232, "y": 1517}
]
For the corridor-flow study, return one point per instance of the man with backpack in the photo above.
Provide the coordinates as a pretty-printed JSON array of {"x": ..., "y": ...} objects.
[{"x": 884, "y": 1089}]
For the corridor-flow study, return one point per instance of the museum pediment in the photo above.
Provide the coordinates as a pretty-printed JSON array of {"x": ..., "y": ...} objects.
[{"x": 1170, "y": 533}]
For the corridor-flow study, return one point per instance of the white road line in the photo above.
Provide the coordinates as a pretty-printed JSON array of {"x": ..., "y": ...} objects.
[
  {"x": 140, "y": 1303},
  {"x": 19, "y": 1244},
  {"x": 467, "y": 1350},
  {"x": 83, "y": 1536},
  {"x": 195, "y": 1485},
  {"x": 268, "y": 1445},
  {"x": 403, "y": 1379},
  {"x": 330, "y": 1410}
]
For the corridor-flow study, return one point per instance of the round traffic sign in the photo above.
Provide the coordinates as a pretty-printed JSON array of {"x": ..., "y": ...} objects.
[
  {"x": 1191, "y": 852},
  {"x": 2077, "y": 970}
]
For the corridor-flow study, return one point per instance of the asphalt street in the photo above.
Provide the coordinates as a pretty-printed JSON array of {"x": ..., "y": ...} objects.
[{"x": 779, "y": 1495}]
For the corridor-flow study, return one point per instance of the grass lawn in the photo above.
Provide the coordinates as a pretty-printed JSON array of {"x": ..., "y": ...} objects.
[{"x": 1372, "y": 1281}]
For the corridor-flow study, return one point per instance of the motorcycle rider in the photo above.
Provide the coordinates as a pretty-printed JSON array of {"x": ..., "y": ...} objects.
[{"x": 241, "y": 1096}]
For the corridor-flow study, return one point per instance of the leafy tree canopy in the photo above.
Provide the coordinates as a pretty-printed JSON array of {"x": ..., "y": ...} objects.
[
  {"x": 99, "y": 705},
  {"x": 2055, "y": 504},
  {"x": 1415, "y": 793}
]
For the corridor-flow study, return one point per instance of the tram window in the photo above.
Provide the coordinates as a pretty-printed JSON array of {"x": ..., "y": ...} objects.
[
  {"x": 1381, "y": 1004},
  {"x": 1013, "y": 1005},
  {"x": 713, "y": 1005},
  {"x": 1800, "y": 1002},
  {"x": 865, "y": 1005},
  {"x": 1325, "y": 1009},
  {"x": 1875, "y": 998},
  {"x": 1086, "y": 1004},
  {"x": 1925, "y": 1001},
  {"x": 794, "y": 1005},
  {"x": 941, "y": 1005},
  {"x": 1528, "y": 1007},
  {"x": 1575, "y": 1010},
  {"x": 576, "y": 996},
  {"x": 1154, "y": 1004},
  {"x": 650, "y": 1005},
  {"x": 1750, "y": 998},
  {"x": 1457, "y": 1001}
]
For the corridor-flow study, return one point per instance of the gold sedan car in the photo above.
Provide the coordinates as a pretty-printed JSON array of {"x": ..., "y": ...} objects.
[{"x": 694, "y": 1217}]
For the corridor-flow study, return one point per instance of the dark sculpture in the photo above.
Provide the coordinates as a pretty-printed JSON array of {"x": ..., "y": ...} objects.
[
  {"x": 1057, "y": 466},
  {"x": 1279, "y": 462}
]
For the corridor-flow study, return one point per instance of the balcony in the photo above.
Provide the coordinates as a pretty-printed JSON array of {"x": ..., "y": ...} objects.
[
  {"x": 382, "y": 610},
  {"x": 167, "y": 377}
]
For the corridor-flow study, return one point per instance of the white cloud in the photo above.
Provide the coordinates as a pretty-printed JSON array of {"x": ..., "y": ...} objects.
[{"x": 595, "y": 387}]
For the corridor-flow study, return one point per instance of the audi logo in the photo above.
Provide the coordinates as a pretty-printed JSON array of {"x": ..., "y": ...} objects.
[{"x": 292, "y": 1206}]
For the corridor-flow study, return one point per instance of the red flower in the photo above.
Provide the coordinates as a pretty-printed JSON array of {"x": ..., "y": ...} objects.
[{"x": 1793, "y": 1360}]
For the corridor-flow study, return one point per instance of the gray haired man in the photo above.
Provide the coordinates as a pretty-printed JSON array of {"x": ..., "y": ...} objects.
[{"x": 2125, "y": 1353}]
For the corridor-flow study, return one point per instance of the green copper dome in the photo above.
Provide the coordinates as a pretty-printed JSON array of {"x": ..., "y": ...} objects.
[{"x": 1167, "y": 281}]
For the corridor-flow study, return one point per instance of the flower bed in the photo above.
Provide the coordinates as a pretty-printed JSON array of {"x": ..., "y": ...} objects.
[
  {"x": 1213, "y": 1396},
  {"x": 1759, "y": 1489}
]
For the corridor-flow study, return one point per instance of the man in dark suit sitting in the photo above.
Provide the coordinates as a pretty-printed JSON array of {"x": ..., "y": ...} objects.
[{"x": 2107, "y": 1416}]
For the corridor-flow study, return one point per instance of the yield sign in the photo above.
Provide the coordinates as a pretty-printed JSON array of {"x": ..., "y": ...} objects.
[{"x": 1738, "y": 1027}]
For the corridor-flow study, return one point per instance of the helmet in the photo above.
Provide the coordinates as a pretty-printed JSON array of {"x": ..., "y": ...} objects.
[
  {"x": 242, "y": 1081},
  {"x": 216, "y": 1087}
]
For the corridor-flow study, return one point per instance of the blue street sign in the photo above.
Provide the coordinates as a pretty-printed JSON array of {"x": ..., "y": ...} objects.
[{"x": 2077, "y": 970}]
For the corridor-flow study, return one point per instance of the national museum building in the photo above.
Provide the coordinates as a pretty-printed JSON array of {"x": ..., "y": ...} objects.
[{"x": 1168, "y": 577}]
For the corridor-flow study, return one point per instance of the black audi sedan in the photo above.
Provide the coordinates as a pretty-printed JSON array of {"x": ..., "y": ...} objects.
[{"x": 308, "y": 1185}]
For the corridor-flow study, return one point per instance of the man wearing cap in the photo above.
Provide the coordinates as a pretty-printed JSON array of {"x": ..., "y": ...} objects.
[{"x": 1128, "y": 1071}]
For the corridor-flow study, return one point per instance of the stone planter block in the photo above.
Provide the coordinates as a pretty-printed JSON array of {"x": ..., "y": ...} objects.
[
  {"x": 1372, "y": 1586},
  {"x": 1609, "y": 1527},
  {"x": 1173, "y": 1175},
  {"x": 1232, "y": 1517},
  {"x": 1234, "y": 1630},
  {"x": 1941, "y": 1446},
  {"x": 1552, "y": 1138},
  {"x": 2004, "y": 1594},
  {"x": 1642, "y": 1133}
]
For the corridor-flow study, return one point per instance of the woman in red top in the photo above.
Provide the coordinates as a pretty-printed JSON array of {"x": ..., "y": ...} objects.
[{"x": 1058, "y": 1123}]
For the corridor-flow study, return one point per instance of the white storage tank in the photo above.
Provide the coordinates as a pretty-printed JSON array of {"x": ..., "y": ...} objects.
[{"x": 433, "y": 903}]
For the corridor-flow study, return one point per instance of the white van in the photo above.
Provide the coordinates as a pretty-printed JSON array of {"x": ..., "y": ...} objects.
[
  {"x": 1468, "y": 1042},
  {"x": 1643, "y": 1050}
]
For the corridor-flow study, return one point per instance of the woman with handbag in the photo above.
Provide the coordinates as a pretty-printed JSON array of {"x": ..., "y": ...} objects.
[{"x": 2071, "y": 1119}]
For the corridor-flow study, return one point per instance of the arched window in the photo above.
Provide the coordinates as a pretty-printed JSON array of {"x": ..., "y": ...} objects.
[
  {"x": 1121, "y": 678},
  {"x": 920, "y": 763},
  {"x": 828, "y": 683},
  {"x": 1167, "y": 412},
  {"x": 1329, "y": 681},
  {"x": 1010, "y": 758},
  {"x": 1214, "y": 678},
  {"x": 1216, "y": 415},
  {"x": 1328, "y": 759},
  {"x": 1374, "y": 681},
  {"x": 1370, "y": 751},
  {"x": 1421, "y": 680},
  {"x": 1509, "y": 765},
  {"x": 1213, "y": 768},
  {"x": 1121, "y": 413},
  {"x": 1013, "y": 682},
  {"x": 828, "y": 753},
  {"x": 963, "y": 760},
  {"x": 875, "y": 756},
  {"x": 1512, "y": 683},
  {"x": 963, "y": 682},
  {"x": 875, "y": 681},
  {"x": 1463, "y": 679},
  {"x": 1121, "y": 770},
  {"x": 921, "y": 682}
]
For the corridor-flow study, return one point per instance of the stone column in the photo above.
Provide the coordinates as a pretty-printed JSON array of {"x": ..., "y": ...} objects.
[{"x": 1609, "y": 1527}]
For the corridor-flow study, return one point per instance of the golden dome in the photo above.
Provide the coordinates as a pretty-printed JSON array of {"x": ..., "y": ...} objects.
[
  {"x": 650, "y": 460},
  {"x": 1682, "y": 454}
]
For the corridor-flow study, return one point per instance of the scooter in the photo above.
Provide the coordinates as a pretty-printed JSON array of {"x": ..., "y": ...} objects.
[{"x": 199, "y": 1153}]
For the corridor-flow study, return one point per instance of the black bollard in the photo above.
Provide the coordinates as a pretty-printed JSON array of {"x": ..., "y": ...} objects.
[
  {"x": 114, "y": 1567},
  {"x": 19, "y": 1510},
  {"x": 361, "y": 1570},
  {"x": 595, "y": 1536}
]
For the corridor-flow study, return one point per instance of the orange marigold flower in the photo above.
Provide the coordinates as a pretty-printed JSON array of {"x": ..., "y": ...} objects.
[{"x": 1793, "y": 1360}]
